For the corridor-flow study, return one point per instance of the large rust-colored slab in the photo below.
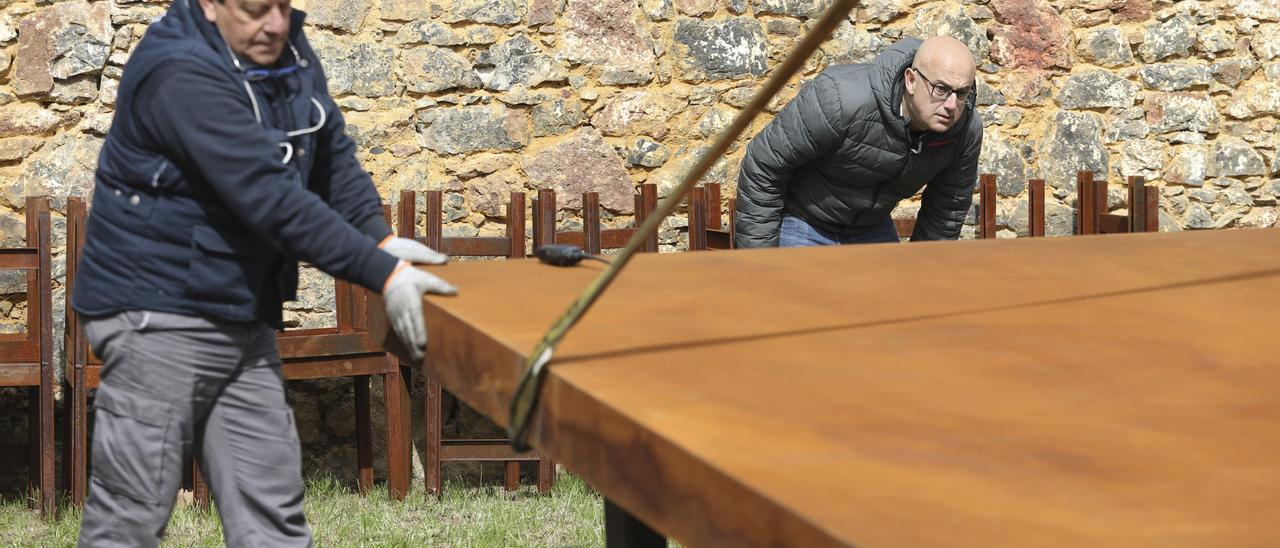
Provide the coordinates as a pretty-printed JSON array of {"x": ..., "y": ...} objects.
[{"x": 1095, "y": 390}]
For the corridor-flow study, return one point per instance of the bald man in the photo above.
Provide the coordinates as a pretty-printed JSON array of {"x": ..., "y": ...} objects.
[{"x": 858, "y": 139}]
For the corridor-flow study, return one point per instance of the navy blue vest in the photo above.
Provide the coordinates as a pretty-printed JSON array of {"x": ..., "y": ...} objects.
[{"x": 158, "y": 241}]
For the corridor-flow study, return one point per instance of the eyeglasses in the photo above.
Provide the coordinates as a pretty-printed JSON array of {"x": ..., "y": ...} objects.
[{"x": 941, "y": 92}]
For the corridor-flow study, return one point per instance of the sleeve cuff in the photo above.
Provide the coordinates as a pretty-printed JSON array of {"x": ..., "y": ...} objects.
[
  {"x": 374, "y": 227},
  {"x": 378, "y": 269}
]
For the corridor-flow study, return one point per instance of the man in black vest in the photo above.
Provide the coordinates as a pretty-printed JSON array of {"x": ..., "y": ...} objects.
[{"x": 225, "y": 165}]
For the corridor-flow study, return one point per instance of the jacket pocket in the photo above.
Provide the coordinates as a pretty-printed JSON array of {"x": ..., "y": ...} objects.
[
  {"x": 165, "y": 176},
  {"x": 226, "y": 269}
]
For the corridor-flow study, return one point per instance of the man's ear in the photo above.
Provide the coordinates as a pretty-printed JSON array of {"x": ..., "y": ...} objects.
[
  {"x": 908, "y": 79},
  {"x": 210, "y": 13}
]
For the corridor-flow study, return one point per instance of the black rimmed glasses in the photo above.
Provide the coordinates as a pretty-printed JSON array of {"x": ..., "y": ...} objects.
[{"x": 941, "y": 92}]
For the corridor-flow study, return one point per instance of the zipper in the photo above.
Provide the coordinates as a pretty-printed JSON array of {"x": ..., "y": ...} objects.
[
  {"x": 155, "y": 178},
  {"x": 875, "y": 195}
]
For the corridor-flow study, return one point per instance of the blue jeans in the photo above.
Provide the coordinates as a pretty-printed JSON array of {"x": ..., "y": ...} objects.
[{"x": 797, "y": 233}]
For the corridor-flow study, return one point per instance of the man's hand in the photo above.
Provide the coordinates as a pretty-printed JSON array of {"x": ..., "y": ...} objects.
[
  {"x": 412, "y": 251},
  {"x": 402, "y": 296}
]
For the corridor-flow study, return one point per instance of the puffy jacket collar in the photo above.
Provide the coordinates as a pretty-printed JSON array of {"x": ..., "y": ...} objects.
[{"x": 887, "y": 85}]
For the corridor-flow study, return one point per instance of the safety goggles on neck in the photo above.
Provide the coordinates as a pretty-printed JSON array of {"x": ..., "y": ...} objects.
[{"x": 260, "y": 74}]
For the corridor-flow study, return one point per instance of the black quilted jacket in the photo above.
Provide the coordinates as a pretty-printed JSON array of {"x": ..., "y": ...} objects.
[{"x": 840, "y": 157}]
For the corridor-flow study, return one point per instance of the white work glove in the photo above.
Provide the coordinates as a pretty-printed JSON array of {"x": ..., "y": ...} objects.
[
  {"x": 412, "y": 251},
  {"x": 402, "y": 296}
]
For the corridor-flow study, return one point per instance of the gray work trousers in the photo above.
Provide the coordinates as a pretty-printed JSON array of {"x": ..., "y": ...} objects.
[{"x": 172, "y": 385}]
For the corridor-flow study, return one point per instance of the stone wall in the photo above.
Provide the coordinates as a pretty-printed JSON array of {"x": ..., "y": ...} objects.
[{"x": 482, "y": 97}]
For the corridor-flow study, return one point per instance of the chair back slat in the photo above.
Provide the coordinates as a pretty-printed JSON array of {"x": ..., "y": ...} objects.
[
  {"x": 1086, "y": 220},
  {"x": 714, "y": 221},
  {"x": 76, "y": 214},
  {"x": 19, "y": 376},
  {"x": 544, "y": 218},
  {"x": 697, "y": 210},
  {"x": 1101, "y": 204},
  {"x": 1137, "y": 204},
  {"x": 592, "y": 238},
  {"x": 1035, "y": 208},
  {"x": 482, "y": 246},
  {"x": 515, "y": 227},
  {"x": 646, "y": 205},
  {"x": 987, "y": 206},
  {"x": 20, "y": 258},
  {"x": 435, "y": 220},
  {"x": 342, "y": 304},
  {"x": 1152, "y": 208}
]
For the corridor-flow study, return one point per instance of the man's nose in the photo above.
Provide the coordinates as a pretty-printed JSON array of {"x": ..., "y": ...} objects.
[
  {"x": 277, "y": 22},
  {"x": 952, "y": 102}
]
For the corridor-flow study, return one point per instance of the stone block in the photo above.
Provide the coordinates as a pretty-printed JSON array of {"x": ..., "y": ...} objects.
[
  {"x": 578, "y": 163},
  {"x": 720, "y": 49}
]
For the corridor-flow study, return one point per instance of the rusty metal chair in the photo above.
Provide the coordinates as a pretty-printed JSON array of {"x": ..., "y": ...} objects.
[
  {"x": 347, "y": 351},
  {"x": 26, "y": 359},
  {"x": 81, "y": 369},
  {"x": 987, "y": 207},
  {"x": 341, "y": 351},
  {"x": 592, "y": 238},
  {"x": 715, "y": 235},
  {"x": 1091, "y": 207},
  {"x": 440, "y": 450},
  {"x": 986, "y": 211}
]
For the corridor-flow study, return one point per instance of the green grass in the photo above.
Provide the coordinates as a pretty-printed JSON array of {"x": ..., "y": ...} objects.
[{"x": 466, "y": 515}]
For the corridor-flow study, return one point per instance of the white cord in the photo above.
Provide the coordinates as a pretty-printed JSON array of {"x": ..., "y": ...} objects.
[
  {"x": 256, "y": 113},
  {"x": 288, "y": 151},
  {"x": 314, "y": 128}
]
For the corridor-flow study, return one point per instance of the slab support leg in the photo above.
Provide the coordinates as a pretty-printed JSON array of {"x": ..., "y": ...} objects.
[{"x": 622, "y": 530}]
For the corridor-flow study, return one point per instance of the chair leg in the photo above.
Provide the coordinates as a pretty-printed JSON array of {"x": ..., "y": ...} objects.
[
  {"x": 199, "y": 488},
  {"x": 33, "y": 438},
  {"x": 511, "y": 481},
  {"x": 395, "y": 396},
  {"x": 433, "y": 438},
  {"x": 546, "y": 475},
  {"x": 64, "y": 430},
  {"x": 73, "y": 444},
  {"x": 79, "y": 442},
  {"x": 48, "y": 483},
  {"x": 364, "y": 439}
]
